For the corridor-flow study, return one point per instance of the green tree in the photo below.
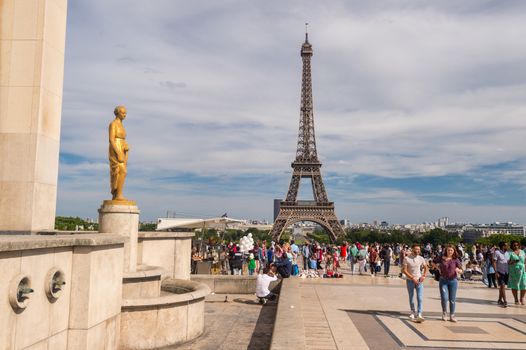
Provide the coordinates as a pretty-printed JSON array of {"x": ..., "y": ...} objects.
[
  {"x": 69, "y": 223},
  {"x": 146, "y": 226},
  {"x": 496, "y": 239},
  {"x": 319, "y": 236},
  {"x": 438, "y": 236}
]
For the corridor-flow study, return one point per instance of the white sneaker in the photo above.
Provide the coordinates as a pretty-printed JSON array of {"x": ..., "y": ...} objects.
[
  {"x": 420, "y": 318},
  {"x": 444, "y": 316},
  {"x": 412, "y": 316}
]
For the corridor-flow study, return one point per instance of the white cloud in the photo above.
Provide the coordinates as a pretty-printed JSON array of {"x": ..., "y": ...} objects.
[{"x": 401, "y": 89}]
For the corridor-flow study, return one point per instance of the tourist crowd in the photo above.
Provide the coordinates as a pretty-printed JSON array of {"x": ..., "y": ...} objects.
[{"x": 497, "y": 267}]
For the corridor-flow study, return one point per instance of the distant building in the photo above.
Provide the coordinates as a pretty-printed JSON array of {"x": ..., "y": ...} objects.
[
  {"x": 508, "y": 228},
  {"x": 470, "y": 233},
  {"x": 443, "y": 222},
  {"x": 276, "y": 208},
  {"x": 345, "y": 223}
]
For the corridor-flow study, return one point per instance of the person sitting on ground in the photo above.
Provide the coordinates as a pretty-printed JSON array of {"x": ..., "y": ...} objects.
[
  {"x": 468, "y": 271},
  {"x": 475, "y": 268},
  {"x": 263, "y": 282},
  {"x": 313, "y": 262}
]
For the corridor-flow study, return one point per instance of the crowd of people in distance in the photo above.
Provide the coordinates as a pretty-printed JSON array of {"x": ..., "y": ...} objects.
[{"x": 499, "y": 266}]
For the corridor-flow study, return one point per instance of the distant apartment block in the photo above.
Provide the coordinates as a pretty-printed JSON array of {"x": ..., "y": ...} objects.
[
  {"x": 471, "y": 232},
  {"x": 345, "y": 223}
]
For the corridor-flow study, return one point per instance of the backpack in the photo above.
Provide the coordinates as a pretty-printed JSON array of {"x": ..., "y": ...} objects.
[{"x": 284, "y": 271}]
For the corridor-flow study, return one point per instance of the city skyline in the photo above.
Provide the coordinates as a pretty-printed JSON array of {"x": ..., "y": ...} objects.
[{"x": 418, "y": 108}]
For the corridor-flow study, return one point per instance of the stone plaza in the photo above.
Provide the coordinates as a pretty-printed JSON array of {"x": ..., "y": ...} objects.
[
  {"x": 363, "y": 312},
  {"x": 357, "y": 312}
]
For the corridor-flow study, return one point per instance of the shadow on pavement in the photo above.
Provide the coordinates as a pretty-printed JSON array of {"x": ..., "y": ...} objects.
[
  {"x": 262, "y": 336},
  {"x": 472, "y": 301}
]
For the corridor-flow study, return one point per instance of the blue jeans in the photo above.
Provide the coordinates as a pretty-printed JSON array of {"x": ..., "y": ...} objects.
[
  {"x": 419, "y": 295},
  {"x": 448, "y": 292}
]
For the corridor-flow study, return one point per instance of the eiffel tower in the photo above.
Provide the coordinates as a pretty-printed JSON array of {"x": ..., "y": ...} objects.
[{"x": 307, "y": 165}]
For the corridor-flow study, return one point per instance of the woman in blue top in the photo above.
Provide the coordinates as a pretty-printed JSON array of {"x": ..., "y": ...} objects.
[{"x": 490, "y": 270}]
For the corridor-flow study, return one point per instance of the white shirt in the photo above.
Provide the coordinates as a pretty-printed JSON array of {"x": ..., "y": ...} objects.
[
  {"x": 295, "y": 248},
  {"x": 502, "y": 261},
  {"x": 414, "y": 265},
  {"x": 262, "y": 285}
]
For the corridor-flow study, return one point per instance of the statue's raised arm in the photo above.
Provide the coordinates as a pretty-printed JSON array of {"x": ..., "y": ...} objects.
[{"x": 118, "y": 153}]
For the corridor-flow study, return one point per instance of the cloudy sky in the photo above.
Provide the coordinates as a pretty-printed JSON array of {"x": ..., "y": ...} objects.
[{"x": 420, "y": 106}]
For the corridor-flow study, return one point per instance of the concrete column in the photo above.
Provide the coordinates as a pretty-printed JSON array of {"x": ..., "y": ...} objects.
[
  {"x": 183, "y": 255},
  {"x": 122, "y": 220},
  {"x": 32, "y": 41}
]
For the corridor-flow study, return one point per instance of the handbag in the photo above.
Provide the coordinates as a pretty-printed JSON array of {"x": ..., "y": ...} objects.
[
  {"x": 436, "y": 274},
  {"x": 295, "y": 270}
]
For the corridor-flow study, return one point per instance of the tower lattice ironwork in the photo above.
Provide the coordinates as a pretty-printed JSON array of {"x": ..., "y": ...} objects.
[{"x": 307, "y": 165}]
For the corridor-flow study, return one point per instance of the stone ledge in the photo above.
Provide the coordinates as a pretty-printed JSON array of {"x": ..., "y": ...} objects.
[
  {"x": 165, "y": 234},
  {"x": 231, "y": 284},
  {"x": 289, "y": 316},
  {"x": 144, "y": 271},
  {"x": 13, "y": 243},
  {"x": 223, "y": 277},
  {"x": 197, "y": 291}
]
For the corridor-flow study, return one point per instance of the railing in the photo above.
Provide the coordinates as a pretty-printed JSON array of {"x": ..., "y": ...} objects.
[{"x": 307, "y": 204}]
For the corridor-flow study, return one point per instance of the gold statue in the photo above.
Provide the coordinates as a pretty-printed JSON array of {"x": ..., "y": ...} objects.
[{"x": 118, "y": 154}]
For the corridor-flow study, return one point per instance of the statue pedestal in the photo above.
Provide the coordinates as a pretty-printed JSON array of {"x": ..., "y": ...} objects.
[{"x": 122, "y": 217}]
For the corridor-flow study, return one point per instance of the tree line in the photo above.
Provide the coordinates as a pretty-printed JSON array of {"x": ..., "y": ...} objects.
[
  {"x": 74, "y": 223},
  {"x": 435, "y": 236}
]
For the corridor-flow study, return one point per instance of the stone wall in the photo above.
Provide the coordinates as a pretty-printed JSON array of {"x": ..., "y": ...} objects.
[
  {"x": 32, "y": 37},
  {"x": 86, "y": 313},
  {"x": 172, "y": 318},
  {"x": 169, "y": 250}
]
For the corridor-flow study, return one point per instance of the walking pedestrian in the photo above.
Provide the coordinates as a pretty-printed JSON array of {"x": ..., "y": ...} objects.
[
  {"x": 353, "y": 256},
  {"x": 343, "y": 251},
  {"x": 306, "y": 253},
  {"x": 362, "y": 256},
  {"x": 415, "y": 269},
  {"x": 449, "y": 266},
  {"x": 490, "y": 270},
  {"x": 385, "y": 256},
  {"x": 500, "y": 264},
  {"x": 517, "y": 275},
  {"x": 373, "y": 261}
]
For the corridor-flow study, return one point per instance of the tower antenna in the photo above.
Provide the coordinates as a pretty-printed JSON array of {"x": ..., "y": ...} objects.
[{"x": 306, "y": 32}]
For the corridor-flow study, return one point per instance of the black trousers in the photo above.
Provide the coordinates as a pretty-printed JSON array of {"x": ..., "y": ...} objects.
[{"x": 491, "y": 279}]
